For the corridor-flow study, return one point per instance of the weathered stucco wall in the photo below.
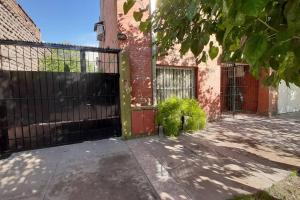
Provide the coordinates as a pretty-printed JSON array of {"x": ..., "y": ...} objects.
[
  {"x": 139, "y": 49},
  {"x": 288, "y": 98}
]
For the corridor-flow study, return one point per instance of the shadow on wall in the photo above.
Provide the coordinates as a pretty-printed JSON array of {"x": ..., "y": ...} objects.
[
  {"x": 139, "y": 50},
  {"x": 206, "y": 95}
]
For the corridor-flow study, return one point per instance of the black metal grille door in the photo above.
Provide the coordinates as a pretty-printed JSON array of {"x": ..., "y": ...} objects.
[
  {"x": 56, "y": 94},
  {"x": 239, "y": 89}
]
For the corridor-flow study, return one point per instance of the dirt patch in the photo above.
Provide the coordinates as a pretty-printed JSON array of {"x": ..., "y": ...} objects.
[{"x": 287, "y": 189}]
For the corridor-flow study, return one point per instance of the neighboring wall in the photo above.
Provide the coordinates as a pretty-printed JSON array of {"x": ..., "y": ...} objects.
[
  {"x": 15, "y": 24},
  {"x": 288, "y": 98}
]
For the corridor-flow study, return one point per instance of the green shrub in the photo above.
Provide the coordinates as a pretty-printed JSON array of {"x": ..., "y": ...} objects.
[
  {"x": 195, "y": 117},
  {"x": 169, "y": 116},
  {"x": 171, "y": 112}
]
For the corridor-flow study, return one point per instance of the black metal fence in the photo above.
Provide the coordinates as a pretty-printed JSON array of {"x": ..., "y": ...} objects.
[
  {"x": 239, "y": 89},
  {"x": 53, "y": 94}
]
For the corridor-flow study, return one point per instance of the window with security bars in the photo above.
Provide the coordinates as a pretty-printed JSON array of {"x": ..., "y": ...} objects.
[{"x": 174, "y": 82}]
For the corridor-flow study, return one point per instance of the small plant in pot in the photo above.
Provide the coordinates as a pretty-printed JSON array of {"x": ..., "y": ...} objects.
[{"x": 173, "y": 110}]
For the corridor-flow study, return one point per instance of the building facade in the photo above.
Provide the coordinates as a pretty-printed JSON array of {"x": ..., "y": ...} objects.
[
  {"x": 155, "y": 79},
  {"x": 151, "y": 79}
]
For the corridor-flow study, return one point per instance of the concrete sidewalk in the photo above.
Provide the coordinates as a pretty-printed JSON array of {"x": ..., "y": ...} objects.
[
  {"x": 101, "y": 170},
  {"x": 233, "y": 156}
]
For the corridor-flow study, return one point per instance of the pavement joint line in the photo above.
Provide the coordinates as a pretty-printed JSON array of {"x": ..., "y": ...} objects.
[
  {"x": 136, "y": 160},
  {"x": 50, "y": 180},
  {"x": 162, "y": 168}
]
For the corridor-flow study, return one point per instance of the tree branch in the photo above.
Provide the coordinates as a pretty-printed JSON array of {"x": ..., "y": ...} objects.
[
  {"x": 273, "y": 29},
  {"x": 267, "y": 25}
]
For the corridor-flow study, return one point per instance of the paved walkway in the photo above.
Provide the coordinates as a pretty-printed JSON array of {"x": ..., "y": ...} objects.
[
  {"x": 101, "y": 170},
  {"x": 233, "y": 156}
]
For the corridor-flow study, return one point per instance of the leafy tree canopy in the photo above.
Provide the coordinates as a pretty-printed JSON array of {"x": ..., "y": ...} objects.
[
  {"x": 263, "y": 33},
  {"x": 59, "y": 60}
]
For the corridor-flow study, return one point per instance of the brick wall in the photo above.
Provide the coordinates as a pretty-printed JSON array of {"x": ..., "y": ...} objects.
[
  {"x": 15, "y": 23},
  {"x": 139, "y": 49}
]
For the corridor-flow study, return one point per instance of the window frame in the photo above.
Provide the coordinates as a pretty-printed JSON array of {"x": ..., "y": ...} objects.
[{"x": 171, "y": 86}]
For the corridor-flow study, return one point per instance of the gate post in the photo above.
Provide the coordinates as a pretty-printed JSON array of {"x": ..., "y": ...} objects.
[{"x": 125, "y": 95}]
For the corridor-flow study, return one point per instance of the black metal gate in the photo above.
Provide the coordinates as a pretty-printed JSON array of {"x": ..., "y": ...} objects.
[
  {"x": 54, "y": 94},
  {"x": 239, "y": 89}
]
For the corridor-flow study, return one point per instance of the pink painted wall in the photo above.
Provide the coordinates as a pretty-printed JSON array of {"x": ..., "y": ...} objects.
[{"x": 139, "y": 48}]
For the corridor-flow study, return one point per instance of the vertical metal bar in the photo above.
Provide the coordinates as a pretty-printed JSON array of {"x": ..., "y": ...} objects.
[
  {"x": 27, "y": 100},
  {"x": 79, "y": 103},
  {"x": 66, "y": 97},
  {"x": 42, "y": 106},
  {"x": 95, "y": 95},
  {"x": 234, "y": 89},
  {"x": 164, "y": 84},
  {"x": 83, "y": 61},
  {"x": 73, "y": 97},
  {"x": 1, "y": 58},
  {"x": 3, "y": 117},
  {"x": 35, "y": 104},
  {"x": 15, "y": 99},
  {"x": 48, "y": 98},
  {"x": 54, "y": 94},
  {"x": 20, "y": 105}
]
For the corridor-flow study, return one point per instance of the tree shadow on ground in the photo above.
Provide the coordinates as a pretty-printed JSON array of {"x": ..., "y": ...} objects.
[
  {"x": 280, "y": 134},
  {"x": 208, "y": 171}
]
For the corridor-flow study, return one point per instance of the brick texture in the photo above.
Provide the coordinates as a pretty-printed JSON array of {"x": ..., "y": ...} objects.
[
  {"x": 15, "y": 23},
  {"x": 139, "y": 48}
]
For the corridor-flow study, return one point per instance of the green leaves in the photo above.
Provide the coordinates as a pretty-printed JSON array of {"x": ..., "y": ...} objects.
[
  {"x": 253, "y": 7},
  {"x": 292, "y": 14},
  {"x": 137, "y": 16},
  {"x": 262, "y": 33},
  {"x": 255, "y": 48},
  {"x": 128, "y": 5},
  {"x": 145, "y": 26},
  {"x": 198, "y": 44},
  {"x": 213, "y": 51},
  {"x": 192, "y": 10}
]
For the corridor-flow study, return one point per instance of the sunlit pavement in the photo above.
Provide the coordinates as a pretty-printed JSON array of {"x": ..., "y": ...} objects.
[
  {"x": 235, "y": 155},
  {"x": 101, "y": 170}
]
